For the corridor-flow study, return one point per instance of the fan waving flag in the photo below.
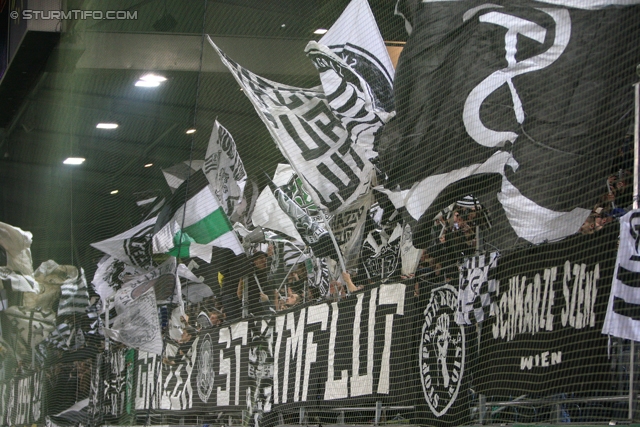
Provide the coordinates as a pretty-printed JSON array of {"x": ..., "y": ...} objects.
[
  {"x": 193, "y": 222},
  {"x": 516, "y": 100}
]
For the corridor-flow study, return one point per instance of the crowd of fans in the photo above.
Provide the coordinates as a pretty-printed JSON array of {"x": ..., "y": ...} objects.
[
  {"x": 262, "y": 290},
  {"x": 258, "y": 290},
  {"x": 455, "y": 234},
  {"x": 615, "y": 201}
]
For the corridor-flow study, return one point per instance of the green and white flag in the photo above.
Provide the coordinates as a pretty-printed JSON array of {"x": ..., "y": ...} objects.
[{"x": 193, "y": 222}]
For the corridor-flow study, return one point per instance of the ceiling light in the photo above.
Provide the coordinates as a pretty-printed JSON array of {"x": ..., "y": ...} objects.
[
  {"x": 106, "y": 126},
  {"x": 114, "y": 192},
  {"x": 148, "y": 165},
  {"x": 320, "y": 31},
  {"x": 190, "y": 131},
  {"x": 74, "y": 161},
  {"x": 143, "y": 83},
  {"x": 150, "y": 80},
  {"x": 153, "y": 78}
]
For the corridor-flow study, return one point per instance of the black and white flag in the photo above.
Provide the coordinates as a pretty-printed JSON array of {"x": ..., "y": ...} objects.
[
  {"x": 137, "y": 324},
  {"x": 356, "y": 74},
  {"x": 162, "y": 279},
  {"x": 19, "y": 282},
  {"x": 348, "y": 228},
  {"x": 17, "y": 244},
  {"x": 356, "y": 39},
  {"x": 74, "y": 296},
  {"x": 380, "y": 254},
  {"x": 178, "y": 173},
  {"x": 132, "y": 247},
  {"x": 310, "y": 136},
  {"x": 509, "y": 100},
  {"x": 111, "y": 274},
  {"x": 623, "y": 311},
  {"x": 224, "y": 169},
  {"x": 478, "y": 290},
  {"x": 268, "y": 214}
]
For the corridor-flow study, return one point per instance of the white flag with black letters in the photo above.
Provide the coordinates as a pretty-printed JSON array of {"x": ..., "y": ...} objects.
[
  {"x": 623, "y": 310},
  {"x": 310, "y": 136},
  {"x": 224, "y": 169}
]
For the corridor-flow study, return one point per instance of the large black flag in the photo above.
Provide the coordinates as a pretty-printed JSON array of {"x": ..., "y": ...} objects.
[{"x": 523, "y": 100}]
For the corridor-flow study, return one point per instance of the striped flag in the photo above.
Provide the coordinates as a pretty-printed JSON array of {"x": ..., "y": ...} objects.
[
  {"x": 623, "y": 311},
  {"x": 74, "y": 296},
  {"x": 193, "y": 222}
]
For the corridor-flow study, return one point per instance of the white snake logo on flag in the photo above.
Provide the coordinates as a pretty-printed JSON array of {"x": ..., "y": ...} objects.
[{"x": 515, "y": 26}]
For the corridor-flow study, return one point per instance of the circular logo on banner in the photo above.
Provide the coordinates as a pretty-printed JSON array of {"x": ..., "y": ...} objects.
[
  {"x": 442, "y": 351},
  {"x": 206, "y": 373}
]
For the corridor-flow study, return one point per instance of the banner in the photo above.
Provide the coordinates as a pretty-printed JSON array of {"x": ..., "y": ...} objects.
[
  {"x": 315, "y": 349},
  {"x": 546, "y": 316},
  {"x": 21, "y": 400},
  {"x": 375, "y": 346},
  {"x": 543, "y": 326}
]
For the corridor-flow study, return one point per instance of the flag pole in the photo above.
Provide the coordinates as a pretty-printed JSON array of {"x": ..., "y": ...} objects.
[
  {"x": 636, "y": 168},
  {"x": 636, "y": 141}
]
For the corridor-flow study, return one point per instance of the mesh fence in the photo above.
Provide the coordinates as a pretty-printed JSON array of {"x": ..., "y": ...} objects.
[{"x": 321, "y": 212}]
